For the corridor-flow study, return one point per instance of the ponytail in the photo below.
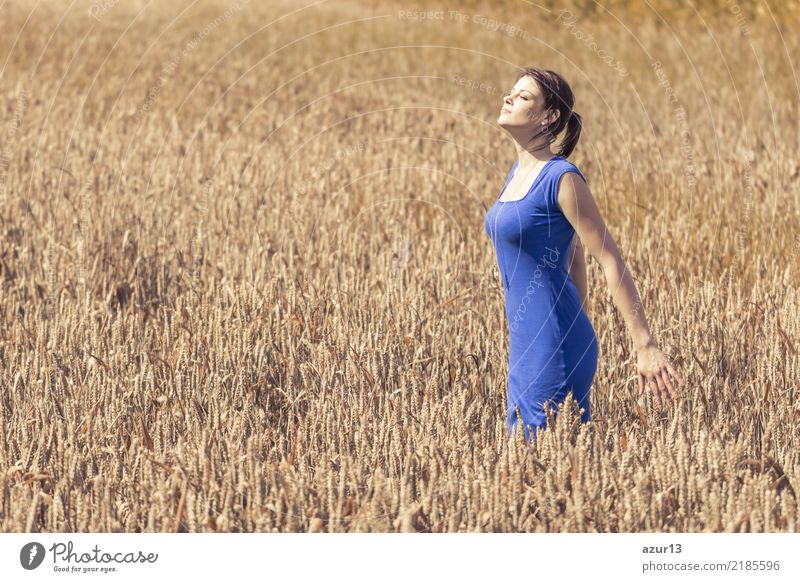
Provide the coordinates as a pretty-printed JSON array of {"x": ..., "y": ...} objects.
[{"x": 571, "y": 135}]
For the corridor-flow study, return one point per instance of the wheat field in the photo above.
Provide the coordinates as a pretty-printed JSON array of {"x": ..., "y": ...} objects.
[{"x": 246, "y": 286}]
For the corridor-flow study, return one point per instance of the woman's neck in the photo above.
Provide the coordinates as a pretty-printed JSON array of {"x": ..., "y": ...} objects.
[{"x": 533, "y": 156}]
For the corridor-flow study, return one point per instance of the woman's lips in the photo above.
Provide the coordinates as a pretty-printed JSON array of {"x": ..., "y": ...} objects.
[{"x": 504, "y": 110}]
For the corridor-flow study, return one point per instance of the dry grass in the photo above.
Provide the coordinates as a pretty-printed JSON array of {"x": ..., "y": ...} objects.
[{"x": 246, "y": 287}]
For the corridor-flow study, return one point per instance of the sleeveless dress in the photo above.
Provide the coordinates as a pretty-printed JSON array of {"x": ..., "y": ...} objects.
[{"x": 552, "y": 344}]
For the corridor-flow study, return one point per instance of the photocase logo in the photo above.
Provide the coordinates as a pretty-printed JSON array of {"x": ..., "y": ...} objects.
[{"x": 31, "y": 555}]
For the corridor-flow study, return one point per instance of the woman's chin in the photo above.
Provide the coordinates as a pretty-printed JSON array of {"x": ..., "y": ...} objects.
[{"x": 505, "y": 119}]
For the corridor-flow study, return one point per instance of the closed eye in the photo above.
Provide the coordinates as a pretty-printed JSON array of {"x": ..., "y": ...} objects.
[{"x": 511, "y": 91}]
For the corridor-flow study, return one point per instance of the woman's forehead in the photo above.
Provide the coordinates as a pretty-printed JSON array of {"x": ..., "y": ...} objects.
[{"x": 528, "y": 84}]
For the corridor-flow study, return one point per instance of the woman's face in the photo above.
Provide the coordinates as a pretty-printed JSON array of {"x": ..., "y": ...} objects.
[{"x": 523, "y": 105}]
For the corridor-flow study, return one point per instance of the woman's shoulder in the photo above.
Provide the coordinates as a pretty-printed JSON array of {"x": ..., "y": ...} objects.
[
  {"x": 566, "y": 165},
  {"x": 562, "y": 166}
]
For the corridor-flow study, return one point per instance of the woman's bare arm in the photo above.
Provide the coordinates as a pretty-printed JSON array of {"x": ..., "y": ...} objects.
[
  {"x": 577, "y": 269},
  {"x": 578, "y": 206}
]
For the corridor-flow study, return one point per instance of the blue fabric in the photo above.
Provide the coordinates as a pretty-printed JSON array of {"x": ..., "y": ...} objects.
[{"x": 552, "y": 345}]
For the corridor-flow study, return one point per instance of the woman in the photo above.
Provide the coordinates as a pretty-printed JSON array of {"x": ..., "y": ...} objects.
[{"x": 537, "y": 226}]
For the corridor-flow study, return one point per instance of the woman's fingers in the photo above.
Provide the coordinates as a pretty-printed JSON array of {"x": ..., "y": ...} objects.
[
  {"x": 661, "y": 377},
  {"x": 654, "y": 388},
  {"x": 678, "y": 377},
  {"x": 664, "y": 396},
  {"x": 664, "y": 374}
]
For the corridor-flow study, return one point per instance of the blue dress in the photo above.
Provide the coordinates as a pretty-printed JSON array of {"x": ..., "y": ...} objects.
[{"x": 552, "y": 344}]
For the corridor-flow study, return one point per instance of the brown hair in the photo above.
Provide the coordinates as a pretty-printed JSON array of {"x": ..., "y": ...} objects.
[{"x": 558, "y": 95}]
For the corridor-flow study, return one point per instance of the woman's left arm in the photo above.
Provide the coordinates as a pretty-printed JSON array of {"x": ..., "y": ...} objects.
[{"x": 578, "y": 206}]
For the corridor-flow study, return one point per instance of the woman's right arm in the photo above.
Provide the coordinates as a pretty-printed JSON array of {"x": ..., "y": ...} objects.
[{"x": 577, "y": 269}]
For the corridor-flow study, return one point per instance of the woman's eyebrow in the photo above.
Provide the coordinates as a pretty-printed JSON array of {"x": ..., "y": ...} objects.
[{"x": 521, "y": 90}]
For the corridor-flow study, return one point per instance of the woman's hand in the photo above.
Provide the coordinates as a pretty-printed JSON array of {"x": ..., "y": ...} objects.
[{"x": 656, "y": 371}]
